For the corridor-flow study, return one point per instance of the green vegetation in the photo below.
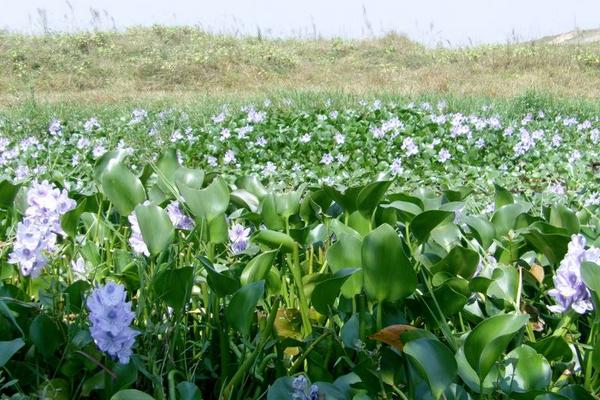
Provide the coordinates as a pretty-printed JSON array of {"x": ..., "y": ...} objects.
[{"x": 179, "y": 64}]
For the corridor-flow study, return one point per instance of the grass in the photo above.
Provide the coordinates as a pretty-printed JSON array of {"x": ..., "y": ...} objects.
[{"x": 186, "y": 65}]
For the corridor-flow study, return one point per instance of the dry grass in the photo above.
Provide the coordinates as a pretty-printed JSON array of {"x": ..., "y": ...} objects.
[{"x": 180, "y": 64}]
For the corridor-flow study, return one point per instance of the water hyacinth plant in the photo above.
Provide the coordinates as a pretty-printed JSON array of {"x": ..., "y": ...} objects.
[{"x": 352, "y": 252}]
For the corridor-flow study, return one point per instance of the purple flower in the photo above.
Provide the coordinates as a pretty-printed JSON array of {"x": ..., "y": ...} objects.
[
  {"x": 110, "y": 318},
  {"x": 408, "y": 145},
  {"x": 238, "y": 236},
  {"x": 299, "y": 385},
  {"x": 136, "y": 241},
  {"x": 178, "y": 218},
  {"x": 443, "y": 155},
  {"x": 327, "y": 159},
  {"x": 55, "y": 127},
  {"x": 569, "y": 290},
  {"x": 90, "y": 124},
  {"x": 37, "y": 234}
]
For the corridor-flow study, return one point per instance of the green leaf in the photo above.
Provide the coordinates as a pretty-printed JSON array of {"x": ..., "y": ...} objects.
[
  {"x": 9, "y": 349},
  {"x": 575, "y": 392},
  {"x": 209, "y": 202},
  {"x": 8, "y": 192},
  {"x": 553, "y": 246},
  {"x": 106, "y": 161},
  {"x": 192, "y": 178},
  {"x": 174, "y": 286},
  {"x": 70, "y": 220},
  {"x": 422, "y": 225},
  {"x": 554, "y": 348},
  {"x": 370, "y": 196},
  {"x": 505, "y": 217},
  {"x": 460, "y": 261},
  {"x": 525, "y": 371},
  {"x": 484, "y": 230},
  {"x": 258, "y": 267},
  {"x": 487, "y": 341},
  {"x": 270, "y": 217},
  {"x": 565, "y": 218},
  {"x": 434, "y": 362},
  {"x": 252, "y": 184},
  {"x": 387, "y": 273},
  {"x": 407, "y": 210},
  {"x": 242, "y": 307},
  {"x": 245, "y": 199},
  {"x": 75, "y": 294},
  {"x": 326, "y": 291},
  {"x": 131, "y": 394},
  {"x": 122, "y": 188},
  {"x": 590, "y": 273},
  {"x": 275, "y": 239},
  {"x": 346, "y": 253},
  {"x": 502, "y": 197},
  {"x": 45, "y": 335},
  {"x": 188, "y": 391},
  {"x": 166, "y": 165},
  {"x": 221, "y": 284},
  {"x": 156, "y": 227}
]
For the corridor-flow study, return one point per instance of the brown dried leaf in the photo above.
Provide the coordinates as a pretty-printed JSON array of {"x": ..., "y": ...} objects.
[{"x": 392, "y": 335}]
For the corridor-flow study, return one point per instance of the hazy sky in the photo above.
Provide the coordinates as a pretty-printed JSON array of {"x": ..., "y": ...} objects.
[{"x": 458, "y": 22}]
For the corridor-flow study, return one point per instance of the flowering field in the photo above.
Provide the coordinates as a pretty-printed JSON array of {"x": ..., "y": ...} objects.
[{"x": 375, "y": 250}]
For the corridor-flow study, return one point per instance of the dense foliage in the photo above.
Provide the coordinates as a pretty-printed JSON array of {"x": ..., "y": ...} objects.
[{"x": 377, "y": 251}]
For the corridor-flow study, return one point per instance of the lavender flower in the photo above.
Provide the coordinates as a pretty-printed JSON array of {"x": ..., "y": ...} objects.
[
  {"x": 238, "y": 236},
  {"x": 569, "y": 290},
  {"x": 229, "y": 157},
  {"x": 37, "y": 233},
  {"x": 443, "y": 155},
  {"x": 110, "y": 318},
  {"x": 408, "y": 145},
  {"x": 136, "y": 241},
  {"x": 299, "y": 385},
  {"x": 327, "y": 159},
  {"x": 178, "y": 218},
  {"x": 90, "y": 124},
  {"x": 55, "y": 127}
]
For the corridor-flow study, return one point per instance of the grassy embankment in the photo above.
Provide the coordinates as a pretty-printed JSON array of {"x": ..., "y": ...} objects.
[{"x": 183, "y": 66}]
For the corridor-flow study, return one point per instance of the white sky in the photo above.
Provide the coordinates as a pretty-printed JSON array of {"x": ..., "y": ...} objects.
[{"x": 454, "y": 22}]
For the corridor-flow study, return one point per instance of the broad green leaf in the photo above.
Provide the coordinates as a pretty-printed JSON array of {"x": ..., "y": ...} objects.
[
  {"x": 188, "y": 391},
  {"x": 505, "y": 283},
  {"x": 242, "y": 307},
  {"x": 525, "y": 371},
  {"x": 275, "y": 239},
  {"x": 245, "y": 199},
  {"x": 563, "y": 217},
  {"x": 174, "y": 286},
  {"x": 166, "y": 166},
  {"x": 485, "y": 232},
  {"x": 45, "y": 334},
  {"x": 388, "y": 275},
  {"x": 554, "y": 348},
  {"x": 9, "y": 349},
  {"x": 131, "y": 394},
  {"x": 70, "y": 220},
  {"x": 487, "y": 341},
  {"x": 122, "y": 188},
  {"x": 252, "y": 184},
  {"x": 346, "y": 253},
  {"x": 434, "y": 361},
  {"x": 221, "y": 284},
  {"x": 422, "y": 225},
  {"x": 407, "y": 210},
  {"x": 590, "y": 273},
  {"x": 370, "y": 196},
  {"x": 575, "y": 392},
  {"x": 553, "y": 246},
  {"x": 192, "y": 178},
  {"x": 258, "y": 267},
  {"x": 502, "y": 197},
  {"x": 460, "y": 261},
  {"x": 108, "y": 159},
  {"x": 359, "y": 223},
  {"x": 270, "y": 217},
  {"x": 209, "y": 202},
  {"x": 156, "y": 227},
  {"x": 505, "y": 217},
  {"x": 326, "y": 291},
  {"x": 8, "y": 192}
]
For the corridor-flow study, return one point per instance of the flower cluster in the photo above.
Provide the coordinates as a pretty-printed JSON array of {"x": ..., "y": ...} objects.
[
  {"x": 37, "y": 233},
  {"x": 238, "y": 236},
  {"x": 569, "y": 290},
  {"x": 178, "y": 218},
  {"x": 300, "y": 384},
  {"x": 110, "y": 318}
]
